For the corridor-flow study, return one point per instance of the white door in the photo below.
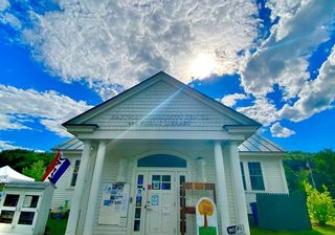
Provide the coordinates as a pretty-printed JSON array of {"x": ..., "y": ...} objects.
[
  {"x": 161, "y": 205},
  {"x": 156, "y": 203},
  {"x": 19, "y": 211}
]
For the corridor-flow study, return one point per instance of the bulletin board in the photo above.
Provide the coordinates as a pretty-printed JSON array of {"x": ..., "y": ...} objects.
[{"x": 114, "y": 204}]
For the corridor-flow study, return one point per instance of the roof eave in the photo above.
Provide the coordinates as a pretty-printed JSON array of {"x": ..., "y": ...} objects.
[{"x": 80, "y": 128}]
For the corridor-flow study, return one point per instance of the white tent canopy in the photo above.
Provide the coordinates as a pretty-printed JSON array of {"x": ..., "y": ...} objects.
[{"x": 8, "y": 175}]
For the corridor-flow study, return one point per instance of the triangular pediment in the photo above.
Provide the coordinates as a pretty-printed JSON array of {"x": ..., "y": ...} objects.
[{"x": 161, "y": 103}]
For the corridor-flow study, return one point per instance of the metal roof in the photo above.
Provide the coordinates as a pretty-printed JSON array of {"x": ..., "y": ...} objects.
[{"x": 255, "y": 143}]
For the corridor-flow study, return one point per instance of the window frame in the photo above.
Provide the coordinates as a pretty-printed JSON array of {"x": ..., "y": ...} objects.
[
  {"x": 243, "y": 175},
  {"x": 73, "y": 171},
  {"x": 262, "y": 176}
]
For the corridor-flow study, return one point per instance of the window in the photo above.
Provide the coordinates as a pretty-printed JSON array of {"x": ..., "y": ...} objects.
[
  {"x": 6, "y": 216},
  {"x": 75, "y": 173},
  {"x": 162, "y": 160},
  {"x": 30, "y": 201},
  {"x": 256, "y": 176},
  {"x": 11, "y": 200},
  {"x": 138, "y": 202},
  {"x": 26, "y": 217},
  {"x": 161, "y": 182},
  {"x": 243, "y": 176}
]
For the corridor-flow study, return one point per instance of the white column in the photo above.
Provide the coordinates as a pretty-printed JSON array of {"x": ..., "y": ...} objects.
[
  {"x": 94, "y": 191},
  {"x": 201, "y": 165},
  {"x": 222, "y": 197},
  {"x": 241, "y": 203},
  {"x": 78, "y": 190}
]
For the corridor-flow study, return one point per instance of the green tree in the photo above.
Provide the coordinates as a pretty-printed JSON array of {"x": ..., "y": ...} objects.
[
  {"x": 320, "y": 205},
  {"x": 19, "y": 158},
  {"x": 36, "y": 170},
  {"x": 323, "y": 165}
]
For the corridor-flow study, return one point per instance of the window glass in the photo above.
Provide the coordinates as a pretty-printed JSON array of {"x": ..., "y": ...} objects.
[
  {"x": 156, "y": 182},
  {"x": 75, "y": 173},
  {"x": 11, "y": 200},
  {"x": 26, "y": 217},
  {"x": 30, "y": 201},
  {"x": 6, "y": 216},
  {"x": 162, "y": 160},
  {"x": 166, "y": 182},
  {"x": 161, "y": 182},
  {"x": 138, "y": 202},
  {"x": 243, "y": 176},
  {"x": 256, "y": 176}
]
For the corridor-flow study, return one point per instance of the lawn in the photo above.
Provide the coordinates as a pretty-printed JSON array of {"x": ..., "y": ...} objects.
[
  {"x": 327, "y": 230},
  {"x": 57, "y": 227}
]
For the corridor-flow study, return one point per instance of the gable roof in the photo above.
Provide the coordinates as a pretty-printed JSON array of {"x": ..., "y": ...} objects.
[
  {"x": 255, "y": 144},
  {"x": 81, "y": 118}
]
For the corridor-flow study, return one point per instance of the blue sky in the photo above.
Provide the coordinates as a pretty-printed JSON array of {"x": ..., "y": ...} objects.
[{"x": 268, "y": 59}]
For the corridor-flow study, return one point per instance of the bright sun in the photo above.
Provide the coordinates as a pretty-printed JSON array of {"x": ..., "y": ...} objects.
[{"x": 202, "y": 66}]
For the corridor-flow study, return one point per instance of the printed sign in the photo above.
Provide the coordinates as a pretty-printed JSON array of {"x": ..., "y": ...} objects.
[
  {"x": 206, "y": 217},
  {"x": 236, "y": 229},
  {"x": 115, "y": 202},
  {"x": 154, "y": 200}
]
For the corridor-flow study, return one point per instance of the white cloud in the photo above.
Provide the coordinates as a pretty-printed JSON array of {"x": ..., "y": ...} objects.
[
  {"x": 282, "y": 59},
  {"x": 315, "y": 96},
  {"x": 231, "y": 100},
  {"x": 4, "y": 4},
  {"x": 4, "y": 145},
  {"x": 121, "y": 42},
  {"x": 277, "y": 130},
  {"x": 262, "y": 111},
  {"x": 18, "y": 107}
]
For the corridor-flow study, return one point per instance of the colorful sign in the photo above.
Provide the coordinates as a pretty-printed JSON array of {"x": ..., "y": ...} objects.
[
  {"x": 115, "y": 203},
  {"x": 206, "y": 216}
]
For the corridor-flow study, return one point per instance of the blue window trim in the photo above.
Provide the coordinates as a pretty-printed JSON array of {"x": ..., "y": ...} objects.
[{"x": 162, "y": 160}]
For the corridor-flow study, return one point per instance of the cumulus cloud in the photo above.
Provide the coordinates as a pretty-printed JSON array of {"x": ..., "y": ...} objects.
[
  {"x": 121, "y": 42},
  {"x": 19, "y": 107},
  {"x": 315, "y": 96},
  {"x": 282, "y": 59},
  {"x": 277, "y": 130},
  {"x": 262, "y": 110},
  {"x": 231, "y": 100}
]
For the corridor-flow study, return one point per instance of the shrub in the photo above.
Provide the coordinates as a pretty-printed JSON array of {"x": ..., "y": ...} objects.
[{"x": 320, "y": 205}]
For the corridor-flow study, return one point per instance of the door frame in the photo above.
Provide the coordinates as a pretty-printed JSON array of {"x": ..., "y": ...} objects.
[{"x": 176, "y": 172}]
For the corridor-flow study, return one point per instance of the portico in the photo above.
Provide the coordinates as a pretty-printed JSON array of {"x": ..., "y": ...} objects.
[{"x": 150, "y": 140}]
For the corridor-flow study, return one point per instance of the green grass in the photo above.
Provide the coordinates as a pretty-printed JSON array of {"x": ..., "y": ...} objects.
[
  {"x": 326, "y": 230},
  {"x": 56, "y": 227}
]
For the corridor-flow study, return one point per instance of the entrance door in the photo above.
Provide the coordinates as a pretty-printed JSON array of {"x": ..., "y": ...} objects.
[
  {"x": 161, "y": 207},
  {"x": 156, "y": 208}
]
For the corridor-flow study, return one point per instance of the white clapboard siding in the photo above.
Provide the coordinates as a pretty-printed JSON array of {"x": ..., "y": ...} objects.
[
  {"x": 64, "y": 191},
  {"x": 161, "y": 107},
  {"x": 273, "y": 175}
]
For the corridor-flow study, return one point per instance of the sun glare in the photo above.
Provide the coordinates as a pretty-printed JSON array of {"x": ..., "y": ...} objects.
[{"x": 202, "y": 66}]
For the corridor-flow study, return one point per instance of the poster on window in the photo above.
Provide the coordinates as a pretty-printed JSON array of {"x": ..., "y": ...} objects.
[{"x": 114, "y": 203}]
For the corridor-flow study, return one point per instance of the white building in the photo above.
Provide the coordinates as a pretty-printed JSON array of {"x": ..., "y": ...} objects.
[{"x": 136, "y": 149}]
